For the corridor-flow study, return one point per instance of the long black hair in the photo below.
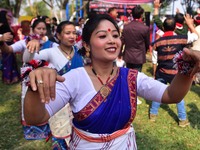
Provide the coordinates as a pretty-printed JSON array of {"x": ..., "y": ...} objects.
[{"x": 5, "y": 27}]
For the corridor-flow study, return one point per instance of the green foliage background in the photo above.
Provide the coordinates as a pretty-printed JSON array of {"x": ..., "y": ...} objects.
[{"x": 39, "y": 9}]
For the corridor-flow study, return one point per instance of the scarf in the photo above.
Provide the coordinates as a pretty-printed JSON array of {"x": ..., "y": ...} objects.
[{"x": 169, "y": 33}]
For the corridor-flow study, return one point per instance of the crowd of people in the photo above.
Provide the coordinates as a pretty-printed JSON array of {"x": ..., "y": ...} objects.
[{"x": 81, "y": 83}]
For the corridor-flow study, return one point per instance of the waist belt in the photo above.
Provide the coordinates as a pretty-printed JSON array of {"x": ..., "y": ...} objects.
[{"x": 103, "y": 138}]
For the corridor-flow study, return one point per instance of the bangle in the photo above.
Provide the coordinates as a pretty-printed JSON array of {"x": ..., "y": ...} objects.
[{"x": 182, "y": 66}]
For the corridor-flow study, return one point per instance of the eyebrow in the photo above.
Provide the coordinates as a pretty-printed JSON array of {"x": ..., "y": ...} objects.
[{"x": 105, "y": 31}]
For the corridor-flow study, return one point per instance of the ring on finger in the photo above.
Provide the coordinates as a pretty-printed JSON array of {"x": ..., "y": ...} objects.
[{"x": 40, "y": 82}]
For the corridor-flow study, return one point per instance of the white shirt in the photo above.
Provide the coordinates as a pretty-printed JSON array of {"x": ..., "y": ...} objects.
[
  {"x": 20, "y": 46},
  {"x": 78, "y": 90},
  {"x": 52, "y": 55}
]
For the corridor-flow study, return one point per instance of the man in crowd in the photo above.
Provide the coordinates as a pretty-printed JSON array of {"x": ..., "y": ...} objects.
[{"x": 136, "y": 40}]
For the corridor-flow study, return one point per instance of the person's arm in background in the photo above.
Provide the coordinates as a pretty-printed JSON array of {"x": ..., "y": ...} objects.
[
  {"x": 32, "y": 47},
  {"x": 192, "y": 35},
  {"x": 184, "y": 29},
  {"x": 156, "y": 16},
  {"x": 6, "y": 37}
]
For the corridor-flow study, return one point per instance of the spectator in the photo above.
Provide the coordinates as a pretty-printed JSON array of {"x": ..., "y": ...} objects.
[
  {"x": 113, "y": 12},
  {"x": 48, "y": 25},
  {"x": 136, "y": 40},
  {"x": 181, "y": 27},
  {"x": 54, "y": 25},
  {"x": 135, "y": 37}
]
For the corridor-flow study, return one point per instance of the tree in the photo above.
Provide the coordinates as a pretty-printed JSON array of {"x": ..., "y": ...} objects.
[
  {"x": 37, "y": 9},
  {"x": 61, "y": 5},
  {"x": 189, "y": 5},
  {"x": 165, "y": 3},
  {"x": 13, "y": 5}
]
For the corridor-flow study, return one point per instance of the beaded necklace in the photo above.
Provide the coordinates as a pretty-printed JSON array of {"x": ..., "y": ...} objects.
[
  {"x": 69, "y": 55},
  {"x": 98, "y": 77},
  {"x": 105, "y": 90}
]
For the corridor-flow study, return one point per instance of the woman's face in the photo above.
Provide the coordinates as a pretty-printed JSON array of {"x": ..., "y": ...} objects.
[
  {"x": 81, "y": 22},
  {"x": 40, "y": 29},
  {"x": 105, "y": 42},
  {"x": 68, "y": 35}
]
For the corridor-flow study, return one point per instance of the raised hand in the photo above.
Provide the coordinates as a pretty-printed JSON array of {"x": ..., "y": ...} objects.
[
  {"x": 157, "y": 4},
  {"x": 189, "y": 20}
]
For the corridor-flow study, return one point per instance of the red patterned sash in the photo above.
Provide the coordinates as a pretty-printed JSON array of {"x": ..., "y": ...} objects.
[{"x": 97, "y": 100}]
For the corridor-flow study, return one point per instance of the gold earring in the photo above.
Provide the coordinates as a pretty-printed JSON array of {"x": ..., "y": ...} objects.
[{"x": 87, "y": 53}]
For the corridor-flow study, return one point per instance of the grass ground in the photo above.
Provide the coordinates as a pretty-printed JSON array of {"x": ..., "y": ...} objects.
[{"x": 164, "y": 134}]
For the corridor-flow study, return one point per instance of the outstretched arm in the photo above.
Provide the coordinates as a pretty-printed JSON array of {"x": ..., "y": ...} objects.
[
  {"x": 42, "y": 81},
  {"x": 27, "y": 56},
  {"x": 32, "y": 47}
]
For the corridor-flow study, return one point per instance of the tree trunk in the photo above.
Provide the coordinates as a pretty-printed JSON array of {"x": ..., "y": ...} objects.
[
  {"x": 17, "y": 8},
  {"x": 62, "y": 15},
  {"x": 31, "y": 6}
]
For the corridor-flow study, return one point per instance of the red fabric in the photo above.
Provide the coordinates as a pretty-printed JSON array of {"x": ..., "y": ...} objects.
[
  {"x": 168, "y": 33},
  {"x": 197, "y": 19},
  {"x": 124, "y": 18},
  {"x": 179, "y": 25},
  {"x": 126, "y": 1}
]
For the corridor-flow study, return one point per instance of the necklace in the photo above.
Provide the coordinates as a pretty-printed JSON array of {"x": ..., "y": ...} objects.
[
  {"x": 105, "y": 90},
  {"x": 68, "y": 55},
  {"x": 98, "y": 77}
]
